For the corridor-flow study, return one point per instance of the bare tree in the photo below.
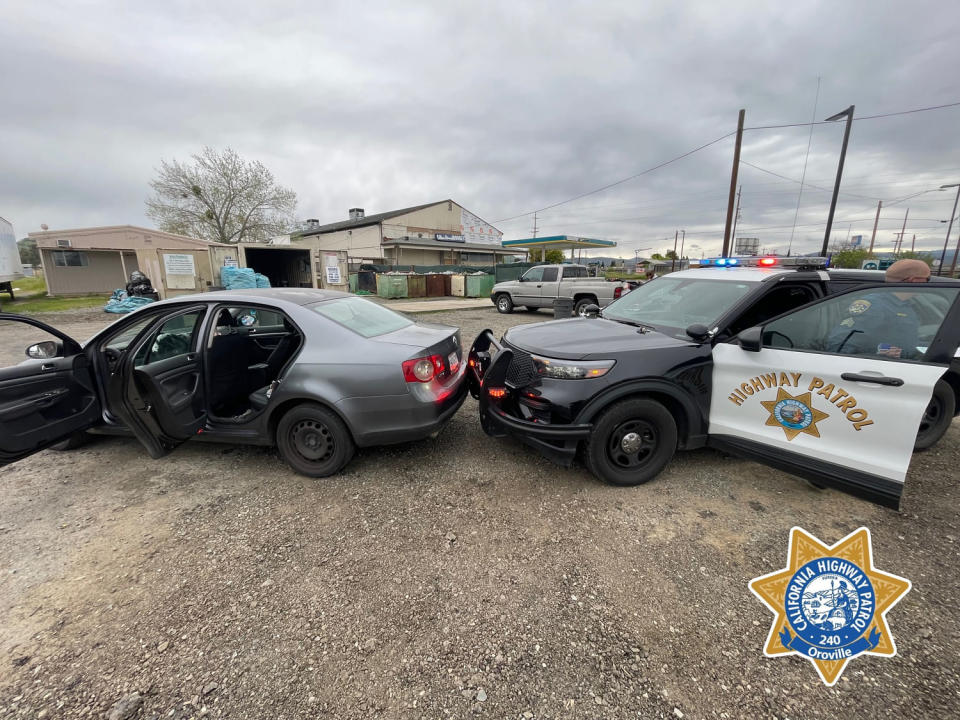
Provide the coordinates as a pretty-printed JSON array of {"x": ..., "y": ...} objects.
[{"x": 220, "y": 197}]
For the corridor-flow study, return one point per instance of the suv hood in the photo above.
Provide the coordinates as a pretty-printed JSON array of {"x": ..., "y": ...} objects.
[{"x": 581, "y": 338}]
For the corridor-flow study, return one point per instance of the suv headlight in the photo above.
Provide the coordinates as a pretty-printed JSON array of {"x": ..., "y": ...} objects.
[{"x": 571, "y": 369}]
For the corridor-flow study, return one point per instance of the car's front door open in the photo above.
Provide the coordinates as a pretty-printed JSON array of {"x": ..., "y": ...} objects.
[
  {"x": 163, "y": 400},
  {"x": 847, "y": 420},
  {"x": 48, "y": 397}
]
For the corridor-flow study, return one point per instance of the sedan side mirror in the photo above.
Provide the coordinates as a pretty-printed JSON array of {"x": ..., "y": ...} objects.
[
  {"x": 590, "y": 310},
  {"x": 751, "y": 339},
  {"x": 44, "y": 350}
]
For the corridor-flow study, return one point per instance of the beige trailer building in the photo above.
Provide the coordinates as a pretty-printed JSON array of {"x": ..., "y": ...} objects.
[{"x": 100, "y": 259}]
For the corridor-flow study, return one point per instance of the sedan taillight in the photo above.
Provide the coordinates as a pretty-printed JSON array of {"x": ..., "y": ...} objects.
[{"x": 422, "y": 369}]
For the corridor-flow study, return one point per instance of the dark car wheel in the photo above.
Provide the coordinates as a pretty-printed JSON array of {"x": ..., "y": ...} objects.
[
  {"x": 937, "y": 417},
  {"x": 314, "y": 441},
  {"x": 581, "y": 305},
  {"x": 631, "y": 442},
  {"x": 504, "y": 304}
]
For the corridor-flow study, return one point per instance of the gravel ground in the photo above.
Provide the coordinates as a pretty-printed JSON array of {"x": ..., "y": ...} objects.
[{"x": 451, "y": 578}]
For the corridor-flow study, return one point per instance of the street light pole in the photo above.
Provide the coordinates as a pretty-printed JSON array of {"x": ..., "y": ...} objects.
[
  {"x": 848, "y": 113},
  {"x": 683, "y": 239},
  {"x": 673, "y": 260},
  {"x": 943, "y": 255}
]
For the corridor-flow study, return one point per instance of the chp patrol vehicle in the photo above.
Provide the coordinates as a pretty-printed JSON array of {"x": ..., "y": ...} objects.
[{"x": 737, "y": 355}]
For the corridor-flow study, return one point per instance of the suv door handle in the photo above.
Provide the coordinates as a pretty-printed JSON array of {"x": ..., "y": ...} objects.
[
  {"x": 877, "y": 379},
  {"x": 539, "y": 286},
  {"x": 48, "y": 366}
]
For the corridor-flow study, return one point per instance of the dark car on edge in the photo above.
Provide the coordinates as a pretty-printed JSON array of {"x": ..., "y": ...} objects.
[{"x": 732, "y": 357}]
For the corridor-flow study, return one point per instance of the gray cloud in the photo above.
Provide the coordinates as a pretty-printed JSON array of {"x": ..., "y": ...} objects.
[{"x": 505, "y": 107}]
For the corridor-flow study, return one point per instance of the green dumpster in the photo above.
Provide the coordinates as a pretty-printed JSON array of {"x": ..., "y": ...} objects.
[
  {"x": 479, "y": 285},
  {"x": 392, "y": 286},
  {"x": 416, "y": 286},
  {"x": 354, "y": 282}
]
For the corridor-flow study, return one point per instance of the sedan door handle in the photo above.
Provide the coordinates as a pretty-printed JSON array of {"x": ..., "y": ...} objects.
[
  {"x": 48, "y": 366},
  {"x": 876, "y": 379}
]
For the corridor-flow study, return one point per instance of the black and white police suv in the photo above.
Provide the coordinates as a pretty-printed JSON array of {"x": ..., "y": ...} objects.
[{"x": 751, "y": 356}]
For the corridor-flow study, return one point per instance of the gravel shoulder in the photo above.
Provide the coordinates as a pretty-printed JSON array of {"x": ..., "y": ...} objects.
[{"x": 456, "y": 577}]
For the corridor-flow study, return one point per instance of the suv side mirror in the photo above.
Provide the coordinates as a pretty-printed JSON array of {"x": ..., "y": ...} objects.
[
  {"x": 751, "y": 339},
  {"x": 698, "y": 331},
  {"x": 591, "y": 310},
  {"x": 44, "y": 350}
]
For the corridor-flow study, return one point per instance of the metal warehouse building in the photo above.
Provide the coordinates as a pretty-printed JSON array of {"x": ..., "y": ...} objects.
[{"x": 438, "y": 233}]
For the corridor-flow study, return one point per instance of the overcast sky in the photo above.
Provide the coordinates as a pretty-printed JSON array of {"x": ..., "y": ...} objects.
[{"x": 505, "y": 107}]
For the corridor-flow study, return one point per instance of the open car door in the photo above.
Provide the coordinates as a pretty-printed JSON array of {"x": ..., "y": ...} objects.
[
  {"x": 48, "y": 398},
  {"x": 818, "y": 393},
  {"x": 162, "y": 398}
]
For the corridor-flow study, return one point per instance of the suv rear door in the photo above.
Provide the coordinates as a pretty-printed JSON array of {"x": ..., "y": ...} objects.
[
  {"x": 46, "y": 399},
  {"x": 789, "y": 396}
]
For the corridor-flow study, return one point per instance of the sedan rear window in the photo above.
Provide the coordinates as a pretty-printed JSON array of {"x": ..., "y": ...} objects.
[{"x": 363, "y": 317}]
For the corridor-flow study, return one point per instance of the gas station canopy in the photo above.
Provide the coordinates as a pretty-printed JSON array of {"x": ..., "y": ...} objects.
[{"x": 559, "y": 242}]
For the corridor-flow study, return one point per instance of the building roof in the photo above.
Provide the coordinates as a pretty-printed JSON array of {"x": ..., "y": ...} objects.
[
  {"x": 40, "y": 234},
  {"x": 367, "y": 219},
  {"x": 431, "y": 244},
  {"x": 560, "y": 242}
]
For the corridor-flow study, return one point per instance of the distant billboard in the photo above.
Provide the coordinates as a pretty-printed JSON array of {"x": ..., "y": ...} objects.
[{"x": 856, "y": 241}]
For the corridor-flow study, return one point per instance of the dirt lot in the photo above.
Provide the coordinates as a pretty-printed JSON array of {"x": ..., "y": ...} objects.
[{"x": 452, "y": 578}]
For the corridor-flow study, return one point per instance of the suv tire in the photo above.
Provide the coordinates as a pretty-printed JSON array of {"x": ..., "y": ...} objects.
[
  {"x": 937, "y": 417},
  {"x": 631, "y": 442},
  {"x": 504, "y": 304},
  {"x": 314, "y": 441}
]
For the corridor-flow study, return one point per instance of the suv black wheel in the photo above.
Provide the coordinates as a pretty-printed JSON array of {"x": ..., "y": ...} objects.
[
  {"x": 504, "y": 304},
  {"x": 314, "y": 441},
  {"x": 631, "y": 442},
  {"x": 937, "y": 417}
]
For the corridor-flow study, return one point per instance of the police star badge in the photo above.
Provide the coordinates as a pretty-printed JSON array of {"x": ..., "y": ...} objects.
[
  {"x": 794, "y": 414},
  {"x": 829, "y": 603}
]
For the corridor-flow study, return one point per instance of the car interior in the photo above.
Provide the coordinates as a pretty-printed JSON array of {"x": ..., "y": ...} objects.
[{"x": 246, "y": 352}]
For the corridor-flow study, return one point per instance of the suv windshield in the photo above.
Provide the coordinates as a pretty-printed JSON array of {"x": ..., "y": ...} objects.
[
  {"x": 678, "y": 302},
  {"x": 364, "y": 317}
]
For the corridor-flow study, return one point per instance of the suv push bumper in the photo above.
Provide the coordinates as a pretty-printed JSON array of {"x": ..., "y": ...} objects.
[{"x": 487, "y": 375}]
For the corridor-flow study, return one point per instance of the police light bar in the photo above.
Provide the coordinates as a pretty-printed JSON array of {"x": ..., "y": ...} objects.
[{"x": 768, "y": 261}]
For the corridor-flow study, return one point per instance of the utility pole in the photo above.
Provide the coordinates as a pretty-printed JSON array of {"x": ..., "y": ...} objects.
[
  {"x": 913, "y": 243},
  {"x": 683, "y": 239},
  {"x": 736, "y": 216},
  {"x": 903, "y": 230},
  {"x": 943, "y": 255},
  {"x": 673, "y": 260},
  {"x": 875, "y": 221},
  {"x": 535, "y": 224},
  {"x": 836, "y": 186},
  {"x": 733, "y": 184}
]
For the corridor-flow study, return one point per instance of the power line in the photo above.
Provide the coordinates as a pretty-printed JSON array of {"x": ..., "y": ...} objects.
[
  {"x": 800, "y": 182},
  {"x": 865, "y": 117},
  {"x": 620, "y": 182},
  {"x": 806, "y": 158}
]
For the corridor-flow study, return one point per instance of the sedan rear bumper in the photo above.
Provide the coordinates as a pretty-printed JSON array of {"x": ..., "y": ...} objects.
[{"x": 402, "y": 418}]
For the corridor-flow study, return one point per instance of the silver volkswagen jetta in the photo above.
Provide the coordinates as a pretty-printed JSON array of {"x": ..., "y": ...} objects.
[{"x": 318, "y": 373}]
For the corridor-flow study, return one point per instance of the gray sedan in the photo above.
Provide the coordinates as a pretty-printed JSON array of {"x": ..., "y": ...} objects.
[{"x": 318, "y": 373}]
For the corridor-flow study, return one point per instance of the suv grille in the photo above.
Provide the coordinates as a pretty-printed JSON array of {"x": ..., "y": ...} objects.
[{"x": 522, "y": 372}]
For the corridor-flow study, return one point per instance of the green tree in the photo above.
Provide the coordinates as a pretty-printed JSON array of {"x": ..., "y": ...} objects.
[
  {"x": 221, "y": 197},
  {"x": 554, "y": 257},
  {"x": 29, "y": 255},
  {"x": 849, "y": 258},
  {"x": 671, "y": 255},
  {"x": 910, "y": 255},
  {"x": 657, "y": 256},
  {"x": 535, "y": 255}
]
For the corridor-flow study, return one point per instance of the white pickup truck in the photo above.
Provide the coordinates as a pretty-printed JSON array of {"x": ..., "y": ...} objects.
[{"x": 540, "y": 285}]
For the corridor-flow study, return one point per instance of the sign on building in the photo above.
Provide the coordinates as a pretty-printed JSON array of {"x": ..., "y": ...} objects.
[
  {"x": 181, "y": 271},
  {"x": 448, "y": 237}
]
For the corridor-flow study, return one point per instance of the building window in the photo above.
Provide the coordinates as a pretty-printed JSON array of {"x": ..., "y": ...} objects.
[
  {"x": 62, "y": 258},
  {"x": 63, "y": 242}
]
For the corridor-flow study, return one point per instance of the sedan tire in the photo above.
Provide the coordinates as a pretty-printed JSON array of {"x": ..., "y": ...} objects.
[
  {"x": 937, "y": 417},
  {"x": 504, "y": 304},
  {"x": 631, "y": 442},
  {"x": 314, "y": 441}
]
